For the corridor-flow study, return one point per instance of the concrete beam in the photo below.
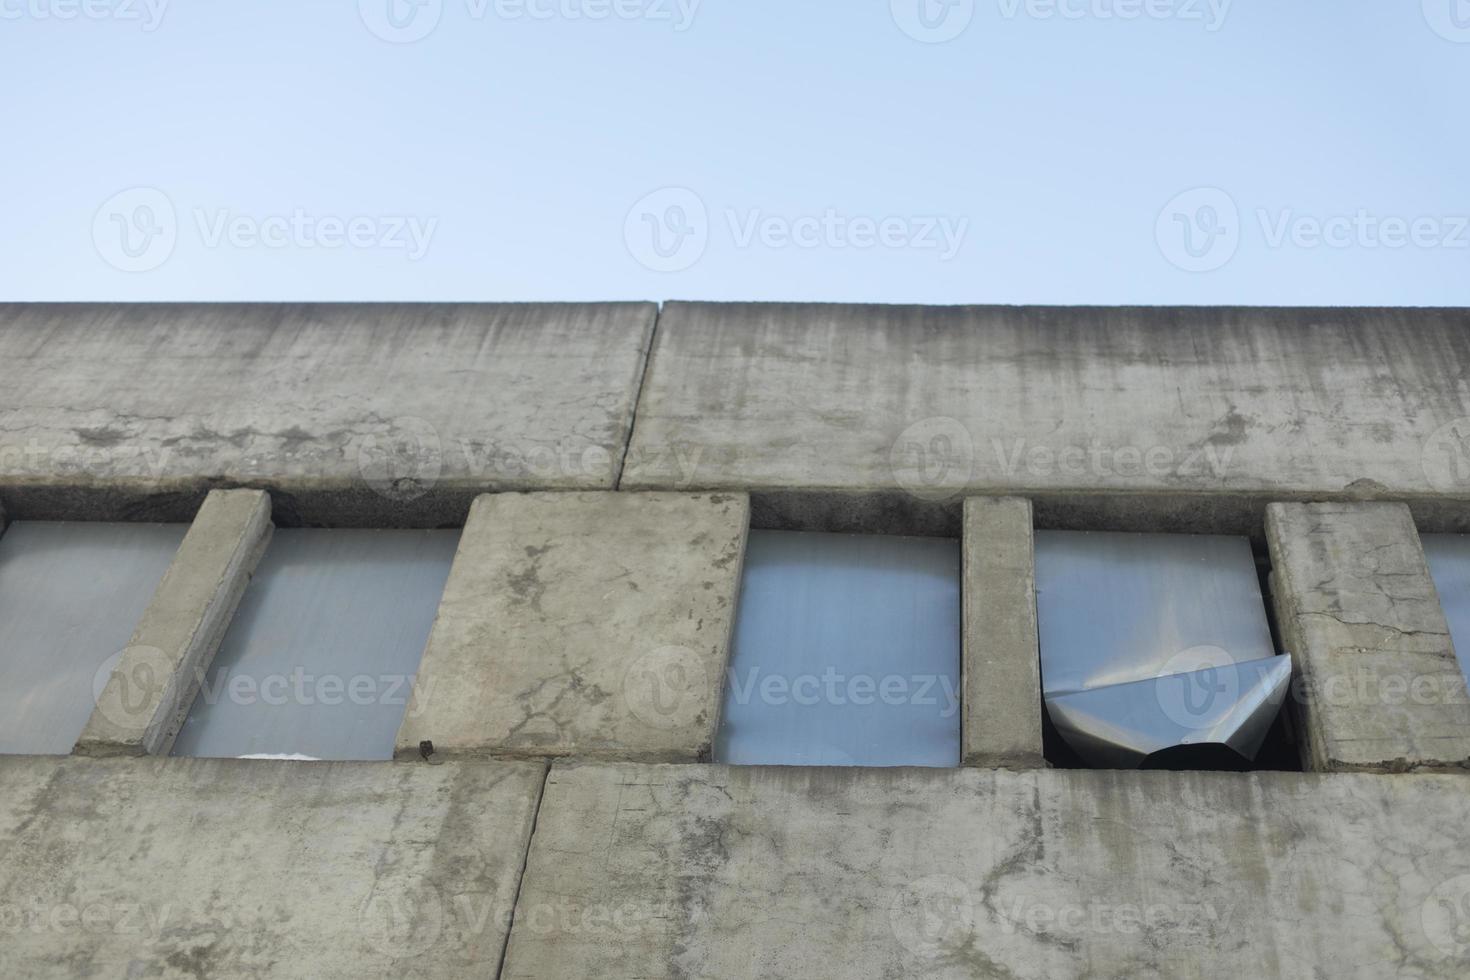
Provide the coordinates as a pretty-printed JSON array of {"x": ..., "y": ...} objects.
[
  {"x": 350, "y": 414},
  {"x": 144, "y": 703},
  {"x": 1378, "y": 687},
  {"x": 227, "y": 868},
  {"x": 1001, "y": 659},
  {"x": 588, "y": 624},
  {"x": 1192, "y": 407},
  {"x": 673, "y": 872}
]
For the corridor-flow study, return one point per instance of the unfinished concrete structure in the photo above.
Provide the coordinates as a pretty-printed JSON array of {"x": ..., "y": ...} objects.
[{"x": 565, "y": 821}]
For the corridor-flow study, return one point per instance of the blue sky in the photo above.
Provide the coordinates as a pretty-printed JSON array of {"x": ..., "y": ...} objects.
[{"x": 938, "y": 151}]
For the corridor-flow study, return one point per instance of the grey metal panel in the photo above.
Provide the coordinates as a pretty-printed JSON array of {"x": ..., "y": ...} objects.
[
  {"x": 321, "y": 654},
  {"x": 827, "y": 621},
  {"x": 1150, "y": 641},
  {"x": 71, "y": 595},
  {"x": 1449, "y": 566}
]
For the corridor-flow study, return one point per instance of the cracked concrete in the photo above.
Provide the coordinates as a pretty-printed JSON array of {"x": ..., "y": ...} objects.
[
  {"x": 1378, "y": 684},
  {"x": 391, "y": 414},
  {"x": 589, "y": 624},
  {"x": 162, "y": 867},
  {"x": 699, "y": 873}
]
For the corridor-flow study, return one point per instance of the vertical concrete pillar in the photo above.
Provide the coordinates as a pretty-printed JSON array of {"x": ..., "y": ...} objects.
[
  {"x": 144, "y": 703},
  {"x": 1001, "y": 661},
  {"x": 1378, "y": 685}
]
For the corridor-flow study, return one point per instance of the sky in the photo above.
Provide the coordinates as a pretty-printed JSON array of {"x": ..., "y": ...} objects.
[{"x": 1277, "y": 152}]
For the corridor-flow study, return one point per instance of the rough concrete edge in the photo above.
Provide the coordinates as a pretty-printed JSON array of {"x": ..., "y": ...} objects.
[
  {"x": 170, "y": 699},
  {"x": 706, "y": 751},
  {"x": 412, "y": 749},
  {"x": 1317, "y": 740},
  {"x": 984, "y": 516}
]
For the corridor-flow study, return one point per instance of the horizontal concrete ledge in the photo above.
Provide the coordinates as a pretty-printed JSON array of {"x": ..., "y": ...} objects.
[
  {"x": 359, "y": 409},
  {"x": 684, "y": 872},
  {"x": 1026, "y": 400},
  {"x": 151, "y": 866}
]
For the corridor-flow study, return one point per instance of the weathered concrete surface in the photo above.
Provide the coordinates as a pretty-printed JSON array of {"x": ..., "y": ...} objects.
[
  {"x": 393, "y": 414},
  {"x": 1379, "y": 686},
  {"x": 1001, "y": 660},
  {"x": 144, "y": 703},
  {"x": 588, "y": 624},
  {"x": 1194, "y": 413},
  {"x": 707, "y": 873},
  {"x": 224, "y": 868}
]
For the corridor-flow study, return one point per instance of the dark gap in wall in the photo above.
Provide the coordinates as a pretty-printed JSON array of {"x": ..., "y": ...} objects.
[{"x": 645, "y": 367}]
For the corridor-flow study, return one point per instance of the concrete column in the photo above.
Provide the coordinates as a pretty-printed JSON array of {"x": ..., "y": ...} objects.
[
  {"x": 594, "y": 625},
  {"x": 1000, "y": 660},
  {"x": 1378, "y": 684},
  {"x": 150, "y": 691}
]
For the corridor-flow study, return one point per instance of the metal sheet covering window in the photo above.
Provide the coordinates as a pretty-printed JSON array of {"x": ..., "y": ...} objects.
[
  {"x": 320, "y": 658},
  {"x": 71, "y": 595},
  {"x": 1152, "y": 643},
  {"x": 1449, "y": 566},
  {"x": 846, "y": 653}
]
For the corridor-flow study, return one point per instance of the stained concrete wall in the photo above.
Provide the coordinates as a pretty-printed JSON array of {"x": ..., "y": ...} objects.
[
  {"x": 704, "y": 873},
  {"x": 350, "y": 413},
  {"x": 1188, "y": 418},
  {"x": 183, "y": 868}
]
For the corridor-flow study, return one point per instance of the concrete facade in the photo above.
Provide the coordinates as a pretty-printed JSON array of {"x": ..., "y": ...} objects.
[
  {"x": 1001, "y": 707},
  {"x": 588, "y": 617},
  {"x": 698, "y": 873},
  {"x": 224, "y": 868},
  {"x": 588, "y": 624},
  {"x": 348, "y": 413},
  {"x": 144, "y": 703},
  {"x": 1380, "y": 684}
]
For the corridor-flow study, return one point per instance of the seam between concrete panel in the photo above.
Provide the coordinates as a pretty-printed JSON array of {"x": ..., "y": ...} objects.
[
  {"x": 525, "y": 862},
  {"x": 658, "y": 313}
]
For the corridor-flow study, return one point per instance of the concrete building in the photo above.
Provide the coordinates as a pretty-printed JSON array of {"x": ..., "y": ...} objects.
[{"x": 408, "y": 641}]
